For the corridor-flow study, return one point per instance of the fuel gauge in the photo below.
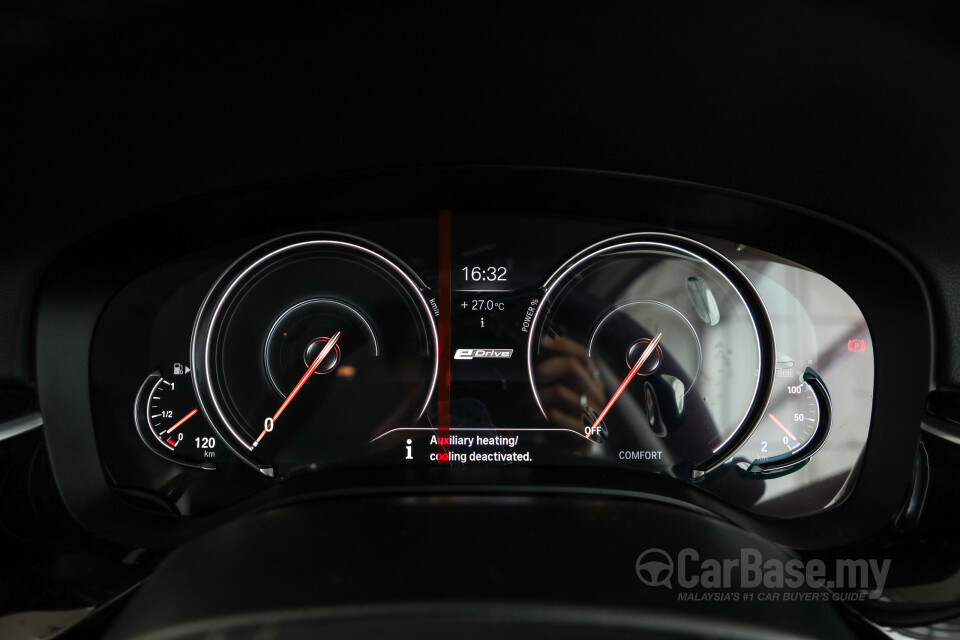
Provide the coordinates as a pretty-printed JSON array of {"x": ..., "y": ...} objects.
[{"x": 169, "y": 422}]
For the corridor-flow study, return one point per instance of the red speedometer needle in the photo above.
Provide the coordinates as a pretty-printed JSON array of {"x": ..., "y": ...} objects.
[
  {"x": 327, "y": 348},
  {"x": 623, "y": 385},
  {"x": 182, "y": 420},
  {"x": 785, "y": 430}
]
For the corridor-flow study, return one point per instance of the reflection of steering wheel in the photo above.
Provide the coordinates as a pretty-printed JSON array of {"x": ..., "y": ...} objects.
[
  {"x": 715, "y": 340},
  {"x": 666, "y": 411}
]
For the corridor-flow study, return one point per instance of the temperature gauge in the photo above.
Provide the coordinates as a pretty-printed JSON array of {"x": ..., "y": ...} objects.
[{"x": 169, "y": 422}]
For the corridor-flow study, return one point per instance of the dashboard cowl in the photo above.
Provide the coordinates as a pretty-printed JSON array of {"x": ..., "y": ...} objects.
[{"x": 463, "y": 564}]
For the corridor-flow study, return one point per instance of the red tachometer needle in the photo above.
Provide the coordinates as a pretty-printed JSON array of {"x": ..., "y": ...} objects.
[
  {"x": 623, "y": 385},
  {"x": 182, "y": 420},
  {"x": 327, "y": 348}
]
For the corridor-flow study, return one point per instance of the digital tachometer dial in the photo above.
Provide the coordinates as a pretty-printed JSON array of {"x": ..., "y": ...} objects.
[{"x": 310, "y": 346}]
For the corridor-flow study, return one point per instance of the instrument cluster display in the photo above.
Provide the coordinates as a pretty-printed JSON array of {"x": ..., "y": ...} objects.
[{"x": 490, "y": 340}]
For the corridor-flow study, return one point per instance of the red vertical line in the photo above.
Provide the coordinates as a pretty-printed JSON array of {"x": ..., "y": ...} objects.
[{"x": 443, "y": 329}]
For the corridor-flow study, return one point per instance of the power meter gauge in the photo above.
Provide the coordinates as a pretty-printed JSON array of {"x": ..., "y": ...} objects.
[
  {"x": 169, "y": 422},
  {"x": 795, "y": 424}
]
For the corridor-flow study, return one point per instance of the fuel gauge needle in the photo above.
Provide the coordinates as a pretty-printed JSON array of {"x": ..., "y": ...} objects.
[
  {"x": 327, "y": 348},
  {"x": 633, "y": 372},
  {"x": 182, "y": 420}
]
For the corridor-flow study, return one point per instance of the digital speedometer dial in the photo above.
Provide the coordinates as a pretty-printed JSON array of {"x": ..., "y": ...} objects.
[
  {"x": 656, "y": 345},
  {"x": 311, "y": 345}
]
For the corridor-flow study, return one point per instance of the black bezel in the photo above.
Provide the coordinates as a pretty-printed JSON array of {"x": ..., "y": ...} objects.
[{"x": 79, "y": 285}]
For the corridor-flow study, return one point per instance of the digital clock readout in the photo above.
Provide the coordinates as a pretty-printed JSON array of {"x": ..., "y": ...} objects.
[{"x": 484, "y": 274}]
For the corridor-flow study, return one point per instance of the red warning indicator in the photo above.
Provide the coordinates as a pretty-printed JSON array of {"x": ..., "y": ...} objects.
[{"x": 856, "y": 346}]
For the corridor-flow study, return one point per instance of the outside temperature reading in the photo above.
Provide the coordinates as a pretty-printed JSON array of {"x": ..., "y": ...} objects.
[{"x": 478, "y": 304}]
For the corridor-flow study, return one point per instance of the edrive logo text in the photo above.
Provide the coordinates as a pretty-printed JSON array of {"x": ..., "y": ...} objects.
[
  {"x": 471, "y": 354},
  {"x": 656, "y": 568}
]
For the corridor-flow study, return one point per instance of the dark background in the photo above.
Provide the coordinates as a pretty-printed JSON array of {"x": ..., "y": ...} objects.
[{"x": 112, "y": 108}]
